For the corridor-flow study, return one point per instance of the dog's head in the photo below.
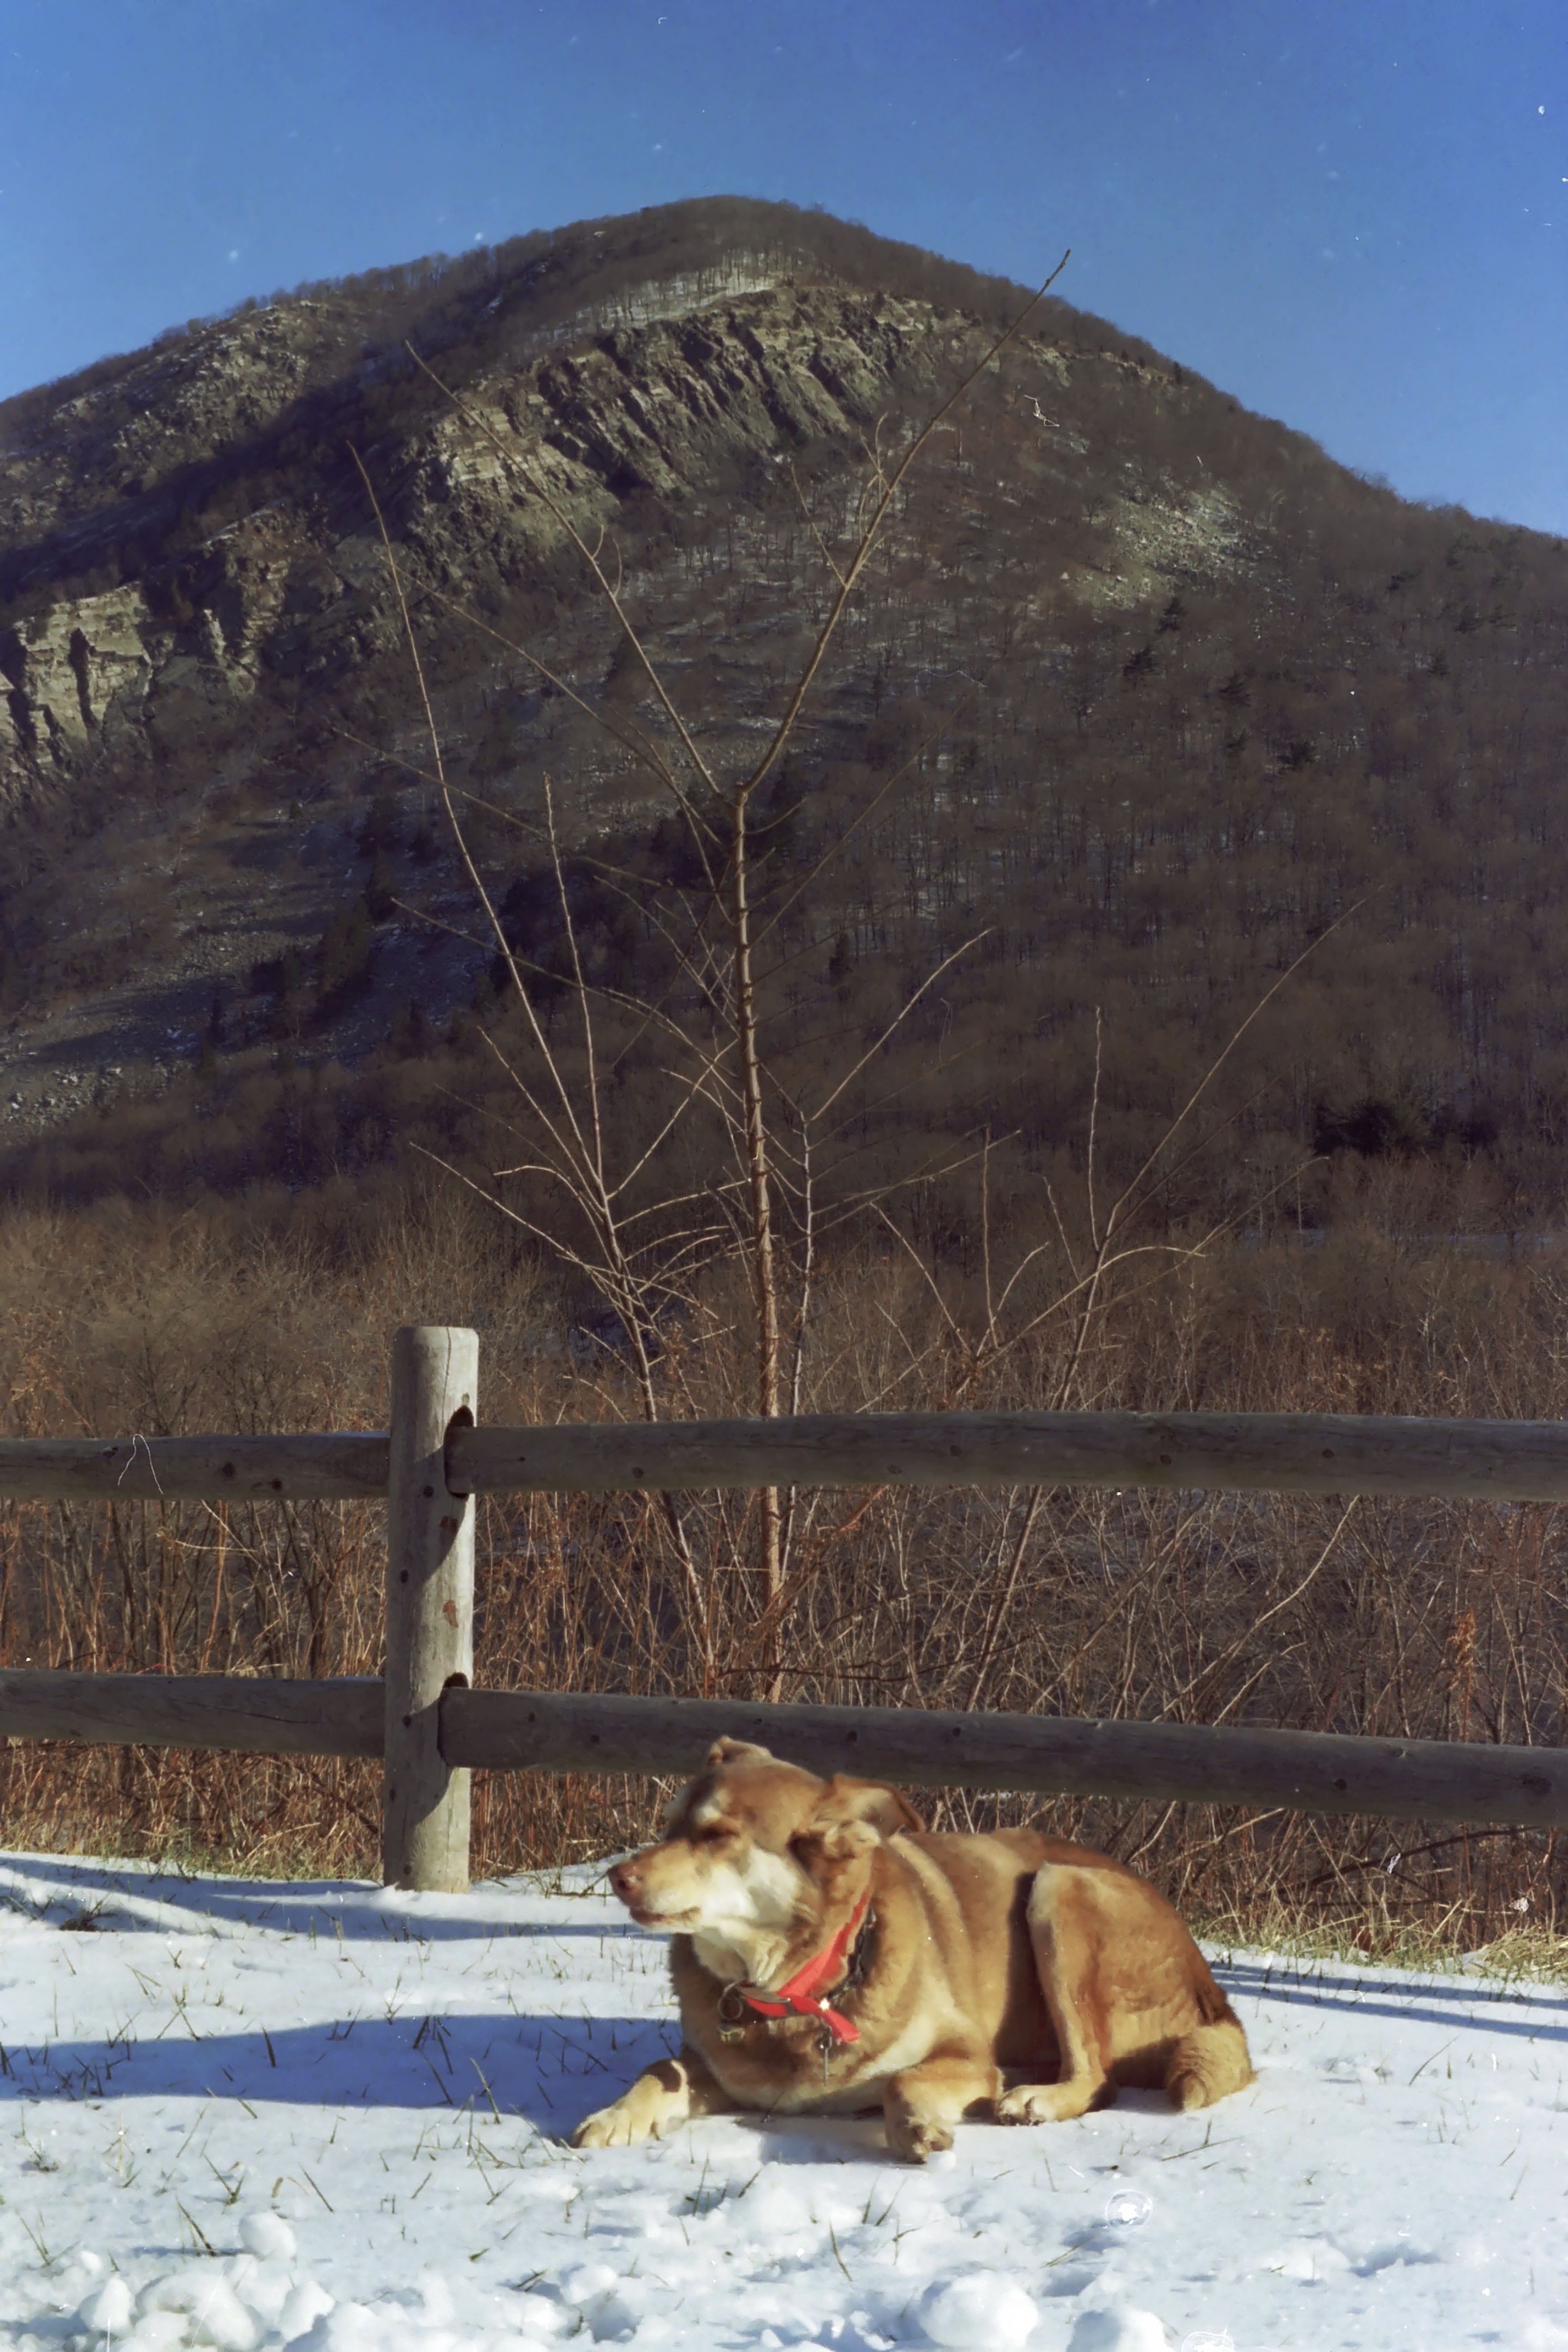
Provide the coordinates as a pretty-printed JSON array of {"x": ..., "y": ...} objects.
[{"x": 756, "y": 1846}]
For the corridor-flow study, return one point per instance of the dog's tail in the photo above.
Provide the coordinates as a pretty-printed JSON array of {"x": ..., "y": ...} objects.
[{"x": 1209, "y": 2062}]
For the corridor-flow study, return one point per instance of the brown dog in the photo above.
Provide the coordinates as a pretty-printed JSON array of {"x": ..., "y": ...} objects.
[{"x": 830, "y": 1955}]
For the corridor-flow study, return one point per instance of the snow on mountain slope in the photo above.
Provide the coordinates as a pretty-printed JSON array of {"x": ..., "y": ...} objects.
[{"x": 245, "y": 2114}]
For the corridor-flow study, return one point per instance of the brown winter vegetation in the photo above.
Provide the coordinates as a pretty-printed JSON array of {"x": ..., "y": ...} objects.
[{"x": 1428, "y": 1618}]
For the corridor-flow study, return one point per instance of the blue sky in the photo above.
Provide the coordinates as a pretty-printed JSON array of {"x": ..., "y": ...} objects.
[{"x": 1354, "y": 216}]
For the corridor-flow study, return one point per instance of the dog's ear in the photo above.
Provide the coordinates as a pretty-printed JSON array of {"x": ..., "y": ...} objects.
[
  {"x": 853, "y": 1815},
  {"x": 738, "y": 1751},
  {"x": 723, "y": 1752}
]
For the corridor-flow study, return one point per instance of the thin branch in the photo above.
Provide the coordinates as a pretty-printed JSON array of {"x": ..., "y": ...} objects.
[
  {"x": 1226, "y": 1051},
  {"x": 930, "y": 981},
  {"x": 609, "y": 590},
  {"x": 890, "y": 485}
]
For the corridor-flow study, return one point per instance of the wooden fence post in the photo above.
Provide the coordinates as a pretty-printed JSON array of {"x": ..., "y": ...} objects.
[{"x": 429, "y": 1608}]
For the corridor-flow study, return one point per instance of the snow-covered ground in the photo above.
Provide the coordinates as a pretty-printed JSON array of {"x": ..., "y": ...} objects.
[{"x": 243, "y": 2114}]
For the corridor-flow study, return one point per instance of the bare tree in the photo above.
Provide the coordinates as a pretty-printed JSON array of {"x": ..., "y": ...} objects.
[
  {"x": 716, "y": 799},
  {"x": 640, "y": 1239}
]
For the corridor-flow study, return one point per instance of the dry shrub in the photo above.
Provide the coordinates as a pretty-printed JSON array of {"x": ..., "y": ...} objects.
[{"x": 1414, "y": 1619}]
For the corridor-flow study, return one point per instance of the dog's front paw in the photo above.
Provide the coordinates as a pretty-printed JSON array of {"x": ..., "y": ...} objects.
[
  {"x": 913, "y": 2139},
  {"x": 621, "y": 2126},
  {"x": 1044, "y": 2103}
]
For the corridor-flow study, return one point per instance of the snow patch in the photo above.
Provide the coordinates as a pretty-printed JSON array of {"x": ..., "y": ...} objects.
[
  {"x": 979, "y": 2308},
  {"x": 261, "y": 2117},
  {"x": 1118, "y": 2328}
]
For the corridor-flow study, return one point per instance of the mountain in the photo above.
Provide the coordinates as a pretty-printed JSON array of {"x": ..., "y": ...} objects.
[{"x": 1142, "y": 696}]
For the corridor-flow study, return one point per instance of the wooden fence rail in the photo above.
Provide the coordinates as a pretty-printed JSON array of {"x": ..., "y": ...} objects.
[
  {"x": 582, "y": 1731},
  {"x": 431, "y": 1729},
  {"x": 1267, "y": 1452}
]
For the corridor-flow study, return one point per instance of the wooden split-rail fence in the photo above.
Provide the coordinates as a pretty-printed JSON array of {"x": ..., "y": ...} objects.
[{"x": 431, "y": 1728}]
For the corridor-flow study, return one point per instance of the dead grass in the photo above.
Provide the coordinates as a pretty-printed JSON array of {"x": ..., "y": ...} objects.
[
  {"x": 1525, "y": 1956},
  {"x": 1412, "y": 1619}
]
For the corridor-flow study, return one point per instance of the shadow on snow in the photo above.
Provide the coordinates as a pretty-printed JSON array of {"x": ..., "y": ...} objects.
[
  {"x": 1538, "y": 2015},
  {"x": 551, "y": 2071},
  {"x": 360, "y": 1912}
]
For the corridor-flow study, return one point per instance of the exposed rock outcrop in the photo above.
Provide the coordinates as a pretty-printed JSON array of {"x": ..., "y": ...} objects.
[{"x": 657, "y": 406}]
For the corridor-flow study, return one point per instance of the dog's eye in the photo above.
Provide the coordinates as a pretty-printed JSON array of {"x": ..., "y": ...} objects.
[{"x": 714, "y": 1834}]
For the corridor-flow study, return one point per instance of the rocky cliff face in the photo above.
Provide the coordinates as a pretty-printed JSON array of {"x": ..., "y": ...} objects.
[
  {"x": 217, "y": 476},
  {"x": 194, "y": 596},
  {"x": 660, "y": 407}
]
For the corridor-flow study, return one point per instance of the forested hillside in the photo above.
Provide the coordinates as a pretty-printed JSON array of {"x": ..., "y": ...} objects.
[{"x": 1140, "y": 697}]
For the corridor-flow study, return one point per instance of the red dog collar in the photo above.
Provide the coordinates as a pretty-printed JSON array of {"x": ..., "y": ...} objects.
[{"x": 801, "y": 1996}]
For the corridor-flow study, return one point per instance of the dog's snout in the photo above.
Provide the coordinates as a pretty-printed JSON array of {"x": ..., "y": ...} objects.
[{"x": 626, "y": 1880}]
